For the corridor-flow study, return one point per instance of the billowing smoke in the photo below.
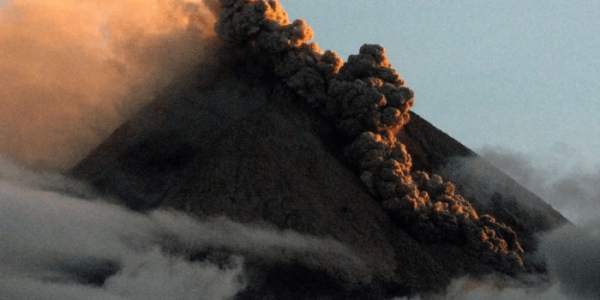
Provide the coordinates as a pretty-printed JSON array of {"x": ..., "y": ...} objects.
[
  {"x": 58, "y": 246},
  {"x": 68, "y": 87},
  {"x": 367, "y": 101},
  {"x": 72, "y": 71}
]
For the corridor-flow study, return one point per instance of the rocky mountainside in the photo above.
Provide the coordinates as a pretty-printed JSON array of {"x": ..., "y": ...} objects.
[
  {"x": 277, "y": 133},
  {"x": 279, "y": 163}
]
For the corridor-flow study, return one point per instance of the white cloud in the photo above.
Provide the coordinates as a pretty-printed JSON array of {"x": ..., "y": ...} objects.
[{"x": 54, "y": 245}]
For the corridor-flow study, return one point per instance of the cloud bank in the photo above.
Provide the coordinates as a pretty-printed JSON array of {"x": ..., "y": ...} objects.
[{"x": 58, "y": 246}]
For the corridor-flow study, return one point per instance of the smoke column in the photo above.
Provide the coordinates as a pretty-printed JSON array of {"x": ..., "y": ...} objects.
[
  {"x": 72, "y": 71},
  {"x": 75, "y": 70},
  {"x": 366, "y": 99}
]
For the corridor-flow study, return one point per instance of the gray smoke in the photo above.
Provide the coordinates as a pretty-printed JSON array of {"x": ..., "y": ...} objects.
[
  {"x": 98, "y": 75},
  {"x": 574, "y": 259},
  {"x": 367, "y": 101},
  {"x": 572, "y": 188},
  {"x": 571, "y": 252}
]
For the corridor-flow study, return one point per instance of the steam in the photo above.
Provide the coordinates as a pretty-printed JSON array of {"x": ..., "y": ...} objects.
[
  {"x": 57, "y": 246},
  {"x": 571, "y": 186},
  {"x": 571, "y": 252},
  {"x": 367, "y": 101},
  {"x": 573, "y": 256},
  {"x": 72, "y": 71},
  {"x": 574, "y": 259},
  {"x": 61, "y": 247}
]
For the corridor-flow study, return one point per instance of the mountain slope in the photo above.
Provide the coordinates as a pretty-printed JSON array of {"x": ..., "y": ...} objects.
[
  {"x": 279, "y": 163},
  {"x": 275, "y": 132}
]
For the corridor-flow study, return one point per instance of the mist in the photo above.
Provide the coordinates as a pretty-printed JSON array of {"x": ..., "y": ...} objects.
[
  {"x": 564, "y": 180},
  {"x": 72, "y": 71},
  {"x": 60, "y": 246},
  {"x": 559, "y": 176},
  {"x": 56, "y": 246},
  {"x": 573, "y": 258}
]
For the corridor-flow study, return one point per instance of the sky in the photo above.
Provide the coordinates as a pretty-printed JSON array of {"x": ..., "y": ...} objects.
[{"x": 517, "y": 74}]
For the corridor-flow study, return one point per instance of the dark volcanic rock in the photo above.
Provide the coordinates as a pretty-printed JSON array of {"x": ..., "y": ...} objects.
[
  {"x": 428, "y": 146},
  {"x": 228, "y": 150},
  {"x": 277, "y": 133}
]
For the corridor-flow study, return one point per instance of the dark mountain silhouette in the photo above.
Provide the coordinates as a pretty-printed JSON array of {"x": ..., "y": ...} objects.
[
  {"x": 267, "y": 134},
  {"x": 278, "y": 162}
]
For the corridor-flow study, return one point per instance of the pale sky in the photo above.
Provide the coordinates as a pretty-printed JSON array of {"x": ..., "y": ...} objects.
[{"x": 518, "y": 74}]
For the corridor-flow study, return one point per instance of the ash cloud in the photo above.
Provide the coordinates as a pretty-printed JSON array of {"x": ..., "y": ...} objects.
[
  {"x": 567, "y": 184},
  {"x": 72, "y": 71},
  {"x": 68, "y": 89},
  {"x": 366, "y": 99}
]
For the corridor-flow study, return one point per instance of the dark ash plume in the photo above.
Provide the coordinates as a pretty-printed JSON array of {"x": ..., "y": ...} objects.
[{"x": 367, "y": 101}]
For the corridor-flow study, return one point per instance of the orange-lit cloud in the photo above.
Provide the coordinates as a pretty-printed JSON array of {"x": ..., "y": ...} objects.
[{"x": 72, "y": 70}]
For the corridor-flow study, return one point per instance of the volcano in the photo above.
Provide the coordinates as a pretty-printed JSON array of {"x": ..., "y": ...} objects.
[{"x": 276, "y": 133}]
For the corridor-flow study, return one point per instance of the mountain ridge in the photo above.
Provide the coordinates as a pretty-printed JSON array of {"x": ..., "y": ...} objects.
[
  {"x": 274, "y": 165},
  {"x": 276, "y": 132}
]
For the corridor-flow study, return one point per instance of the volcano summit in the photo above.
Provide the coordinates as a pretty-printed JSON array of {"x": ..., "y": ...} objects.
[{"x": 274, "y": 132}]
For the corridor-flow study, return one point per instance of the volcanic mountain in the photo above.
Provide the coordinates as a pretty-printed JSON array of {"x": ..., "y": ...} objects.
[{"x": 276, "y": 133}]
